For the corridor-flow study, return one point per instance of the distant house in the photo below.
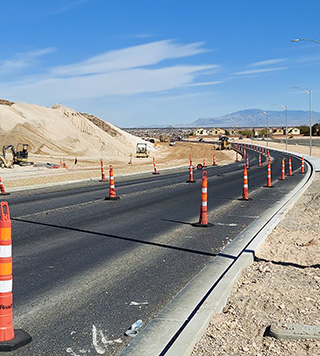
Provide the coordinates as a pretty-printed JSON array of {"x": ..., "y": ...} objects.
[
  {"x": 293, "y": 131},
  {"x": 278, "y": 131},
  {"x": 200, "y": 132},
  {"x": 216, "y": 132}
]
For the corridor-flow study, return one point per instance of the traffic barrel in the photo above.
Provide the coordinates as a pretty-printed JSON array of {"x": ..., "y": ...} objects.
[
  {"x": 214, "y": 160},
  {"x": 2, "y": 190},
  {"x": 259, "y": 162},
  {"x": 10, "y": 339},
  {"x": 191, "y": 180},
  {"x": 112, "y": 188},
  {"x": 103, "y": 177},
  {"x": 203, "y": 220},
  {"x": 302, "y": 165},
  {"x": 268, "y": 176},
  {"x": 282, "y": 169},
  {"x": 154, "y": 167},
  {"x": 290, "y": 167}
]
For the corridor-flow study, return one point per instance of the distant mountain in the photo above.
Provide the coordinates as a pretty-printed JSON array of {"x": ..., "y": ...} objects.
[{"x": 256, "y": 118}]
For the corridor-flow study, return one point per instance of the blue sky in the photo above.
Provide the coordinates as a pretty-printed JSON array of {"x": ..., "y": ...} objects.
[{"x": 141, "y": 62}]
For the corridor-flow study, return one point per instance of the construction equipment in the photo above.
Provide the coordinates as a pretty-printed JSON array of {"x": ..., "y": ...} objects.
[
  {"x": 224, "y": 143},
  {"x": 19, "y": 155},
  {"x": 142, "y": 150}
]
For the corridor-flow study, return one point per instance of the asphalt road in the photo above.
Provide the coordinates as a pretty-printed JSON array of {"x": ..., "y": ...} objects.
[{"x": 85, "y": 268}]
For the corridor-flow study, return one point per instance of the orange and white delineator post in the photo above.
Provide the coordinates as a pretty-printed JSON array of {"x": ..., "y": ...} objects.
[
  {"x": 191, "y": 180},
  {"x": 2, "y": 190},
  {"x": 112, "y": 188},
  {"x": 204, "y": 161},
  {"x": 154, "y": 167},
  {"x": 245, "y": 192},
  {"x": 130, "y": 160},
  {"x": 203, "y": 220},
  {"x": 237, "y": 157},
  {"x": 247, "y": 161},
  {"x": 103, "y": 177},
  {"x": 282, "y": 169},
  {"x": 259, "y": 162},
  {"x": 10, "y": 339},
  {"x": 269, "y": 176},
  {"x": 302, "y": 165},
  {"x": 214, "y": 163},
  {"x": 290, "y": 167}
]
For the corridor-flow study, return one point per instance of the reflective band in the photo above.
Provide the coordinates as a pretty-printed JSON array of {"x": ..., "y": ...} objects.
[
  {"x": 6, "y": 286},
  {"x": 245, "y": 186},
  {"x": 204, "y": 190},
  {"x": 112, "y": 186},
  {"x": 245, "y": 177},
  {"x": 5, "y": 251},
  {"x": 204, "y": 203}
]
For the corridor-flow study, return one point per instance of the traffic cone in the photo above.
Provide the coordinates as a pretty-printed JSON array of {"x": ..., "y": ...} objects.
[
  {"x": 190, "y": 173},
  {"x": 269, "y": 176},
  {"x": 112, "y": 188},
  {"x": 302, "y": 165},
  {"x": 10, "y": 339},
  {"x": 154, "y": 167},
  {"x": 214, "y": 160},
  {"x": 203, "y": 220},
  {"x": 103, "y": 177},
  {"x": 245, "y": 191},
  {"x": 2, "y": 190},
  {"x": 290, "y": 167},
  {"x": 282, "y": 169},
  {"x": 259, "y": 162}
]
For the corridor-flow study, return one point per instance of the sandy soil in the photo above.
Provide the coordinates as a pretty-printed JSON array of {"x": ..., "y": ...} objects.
[{"x": 281, "y": 287}]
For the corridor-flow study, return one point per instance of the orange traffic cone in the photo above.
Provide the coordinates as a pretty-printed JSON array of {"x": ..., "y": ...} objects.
[
  {"x": 10, "y": 339},
  {"x": 103, "y": 177},
  {"x": 112, "y": 188},
  {"x": 245, "y": 191},
  {"x": 203, "y": 220},
  {"x": 214, "y": 160},
  {"x": 2, "y": 190},
  {"x": 302, "y": 165},
  {"x": 282, "y": 169},
  {"x": 190, "y": 173},
  {"x": 154, "y": 167},
  {"x": 290, "y": 167},
  {"x": 269, "y": 176}
]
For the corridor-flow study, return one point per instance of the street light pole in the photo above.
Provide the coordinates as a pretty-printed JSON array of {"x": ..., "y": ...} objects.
[
  {"x": 286, "y": 125},
  {"x": 305, "y": 39},
  {"x": 264, "y": 112},
  {"x": 310, "y": 114}
]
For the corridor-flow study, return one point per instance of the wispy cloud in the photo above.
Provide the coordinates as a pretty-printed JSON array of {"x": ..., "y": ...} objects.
[
  {"x": 23, "y": 60},
  {"x": 268, "y": 62},
  {"x": 131, "y": 57},
  {"x": 205, "y": 83},
  {"x": 132, "y": 70},
  {"x": 67, "y": 7},
  {"x": 258, "y": 71}
]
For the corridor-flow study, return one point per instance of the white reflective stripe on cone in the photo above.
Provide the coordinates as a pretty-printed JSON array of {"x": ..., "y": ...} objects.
[
  {"x": 6, "y": 286},
  {"x": 5, "y": 250}
]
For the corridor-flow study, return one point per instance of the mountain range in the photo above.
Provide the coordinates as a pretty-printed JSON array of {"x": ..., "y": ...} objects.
[{"x": 253, "y": 118}]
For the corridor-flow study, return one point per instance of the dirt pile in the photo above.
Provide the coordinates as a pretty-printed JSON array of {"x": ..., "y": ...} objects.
[{"x": 62, "y": 131}]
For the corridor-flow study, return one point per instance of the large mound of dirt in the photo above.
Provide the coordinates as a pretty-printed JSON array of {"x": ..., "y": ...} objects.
[{"x": 62, "y": 131}]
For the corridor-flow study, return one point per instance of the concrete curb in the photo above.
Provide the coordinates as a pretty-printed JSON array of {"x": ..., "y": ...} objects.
[{"x": 180, "y": 325}]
